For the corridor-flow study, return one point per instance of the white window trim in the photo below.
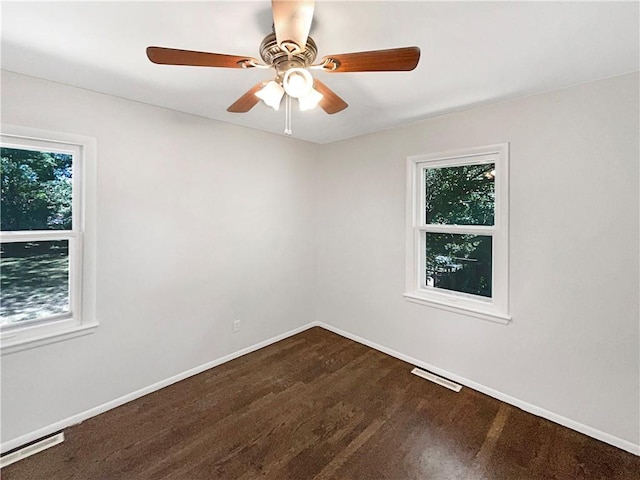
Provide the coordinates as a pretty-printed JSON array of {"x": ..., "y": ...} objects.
[
  {"x": 495, "y": 309},
  {"x": 82, "y": 319}
]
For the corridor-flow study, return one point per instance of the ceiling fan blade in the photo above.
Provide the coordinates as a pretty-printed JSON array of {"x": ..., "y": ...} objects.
[
  {"x": 391, "y": 60},
  {"x": 330, "y": 103},
  {"x": 292, "y": 22},
  {"x": 247, "y": 101},
  {"x": 172, "y": 56}
]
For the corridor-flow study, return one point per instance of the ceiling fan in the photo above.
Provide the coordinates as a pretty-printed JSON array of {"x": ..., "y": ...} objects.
[{"x": 291, "y": 52}]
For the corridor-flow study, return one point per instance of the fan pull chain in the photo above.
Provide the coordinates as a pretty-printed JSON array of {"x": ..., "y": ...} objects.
[{"x": 287, "y": 115}]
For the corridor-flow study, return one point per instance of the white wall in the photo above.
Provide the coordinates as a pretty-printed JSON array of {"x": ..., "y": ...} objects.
[
  {"x": 199, "y": 223},
  {"x": 573, "y": 345}
]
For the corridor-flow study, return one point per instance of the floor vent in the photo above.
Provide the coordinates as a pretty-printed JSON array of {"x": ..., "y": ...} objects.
[
  {"x": 31, "y": 449},
  {"x": 436, "y": 379}
]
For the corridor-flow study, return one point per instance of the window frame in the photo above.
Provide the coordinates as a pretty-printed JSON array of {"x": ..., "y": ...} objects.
[
  {"x": 80, "y": 319},
  {"x": 496, "y": 308}
]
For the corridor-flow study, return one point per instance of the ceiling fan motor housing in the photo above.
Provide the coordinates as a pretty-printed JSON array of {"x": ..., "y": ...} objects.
[{"x": 272, "y": 54}]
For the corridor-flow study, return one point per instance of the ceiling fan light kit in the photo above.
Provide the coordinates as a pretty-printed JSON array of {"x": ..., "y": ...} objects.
[
  {"x": 310, "y": 100},
  {"x": 297, "y": 82},
  {"x": 291, "y": 52},
  {"x": 271, "y": 94}
]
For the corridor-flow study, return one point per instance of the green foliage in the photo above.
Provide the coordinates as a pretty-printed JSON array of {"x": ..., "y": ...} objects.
[
  {"x": 461, "y": 263},
  {"x": 462, "y": 195},
  {"x": 36, "y": 190}
]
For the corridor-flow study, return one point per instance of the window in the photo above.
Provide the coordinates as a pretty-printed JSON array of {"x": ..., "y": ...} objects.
[
  {"x": 457, "y": 231},
  {"x": 45, "y": 273}
]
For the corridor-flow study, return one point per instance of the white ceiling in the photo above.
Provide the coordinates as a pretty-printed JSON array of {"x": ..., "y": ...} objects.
[{"x": 472, "y": 53}]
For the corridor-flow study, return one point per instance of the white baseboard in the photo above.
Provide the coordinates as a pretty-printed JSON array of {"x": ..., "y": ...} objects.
[
  {"x": 92, "y": 412},
  {"x": 541, "y": 412},
  {"x": 527, "y": 407}
]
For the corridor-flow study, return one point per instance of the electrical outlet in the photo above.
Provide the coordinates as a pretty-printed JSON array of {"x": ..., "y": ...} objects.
[{"x": 236, "y": 326}]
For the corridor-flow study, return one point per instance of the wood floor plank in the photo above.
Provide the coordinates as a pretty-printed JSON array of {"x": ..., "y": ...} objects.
[
  {"x": 489, "y": 445},
  {"x": 317, "y": 406}
]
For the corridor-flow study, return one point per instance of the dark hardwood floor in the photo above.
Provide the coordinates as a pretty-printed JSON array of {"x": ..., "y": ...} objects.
[{"x": 319, "y": 406}]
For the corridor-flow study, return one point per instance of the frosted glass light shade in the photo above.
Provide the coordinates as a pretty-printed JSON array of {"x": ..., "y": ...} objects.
[
  {"x": 310, "y": 100},
  {"x": 297, "y": 82},
  {"x": 271, "y": 94}
]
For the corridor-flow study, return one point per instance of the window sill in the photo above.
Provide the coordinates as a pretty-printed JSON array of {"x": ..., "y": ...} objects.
[
  {"x": 494, "y": 317},
  {"x": 19, "y": 341}
]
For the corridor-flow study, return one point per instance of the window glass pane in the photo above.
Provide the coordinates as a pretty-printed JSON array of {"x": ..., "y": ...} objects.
[
  {"x": 34, "y": 279},
  {"x": 463, "y": 195},
  {"x": 461, "y": 263},
  {"x": 36, "y": 190}
]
